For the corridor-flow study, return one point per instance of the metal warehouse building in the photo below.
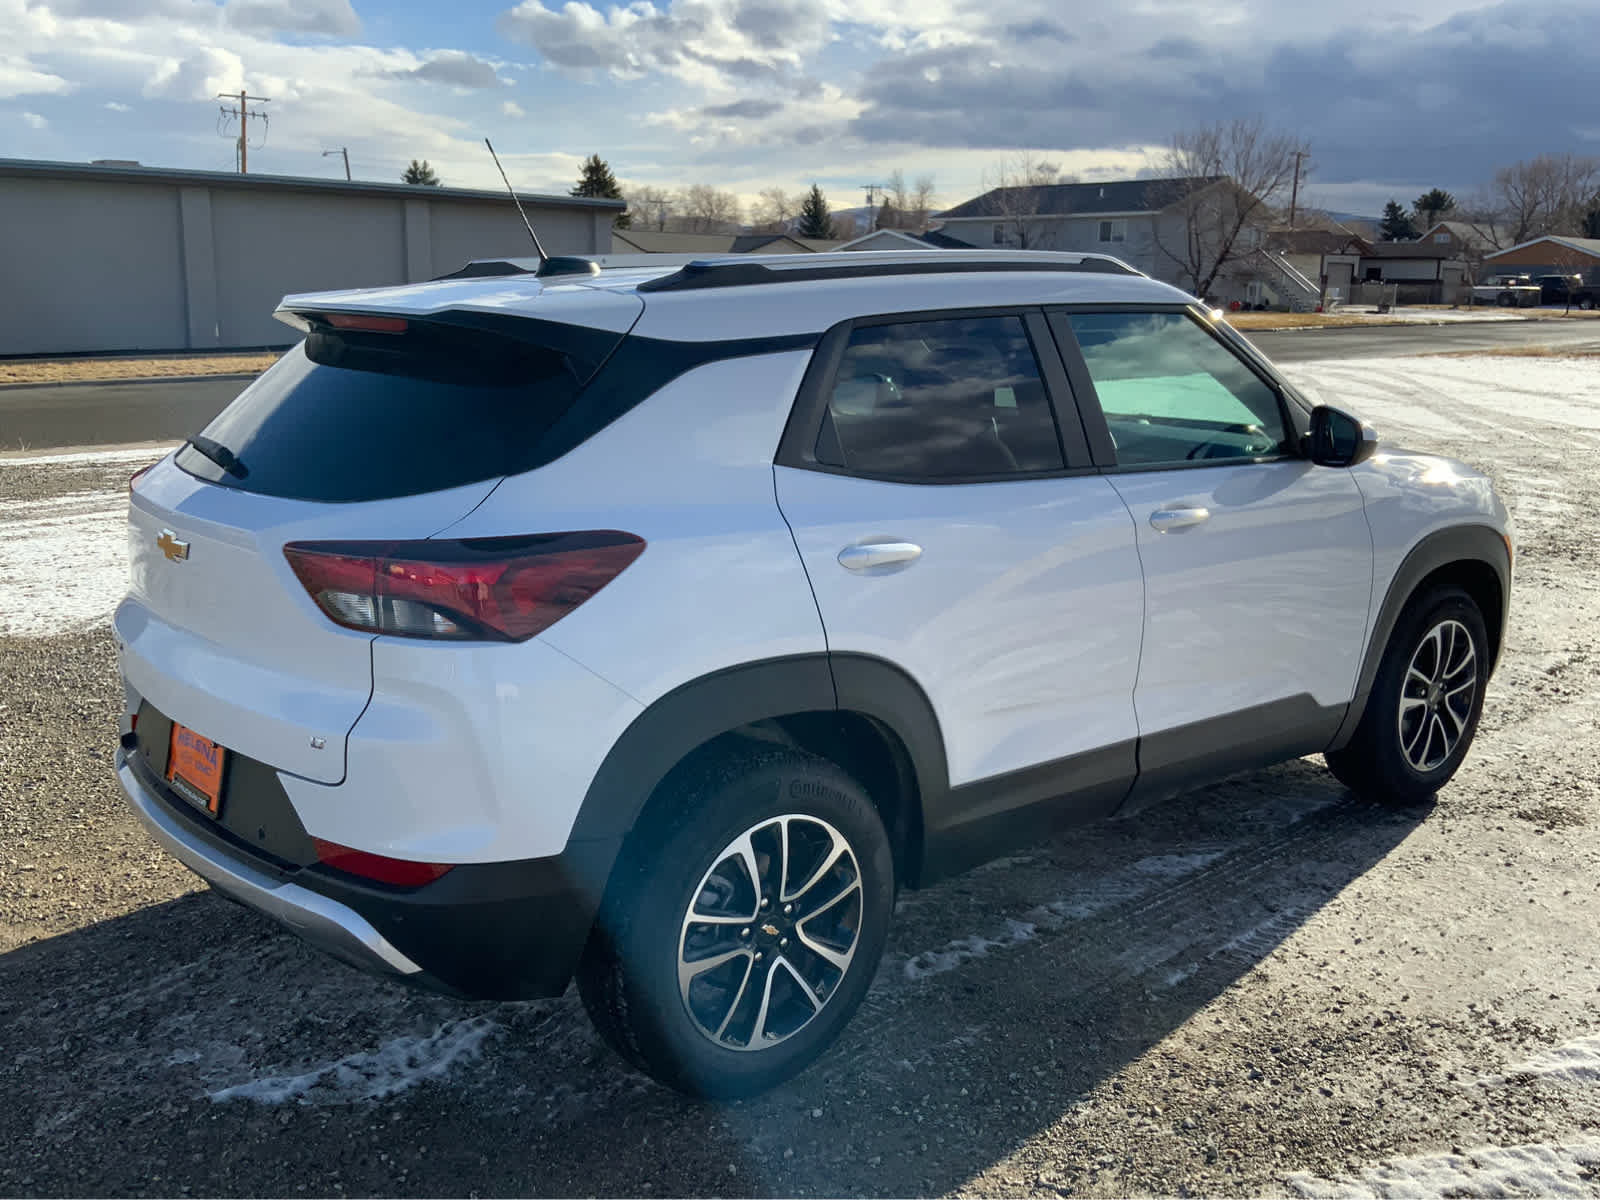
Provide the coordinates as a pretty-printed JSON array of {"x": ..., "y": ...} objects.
[{"x": 135, "y": 258}]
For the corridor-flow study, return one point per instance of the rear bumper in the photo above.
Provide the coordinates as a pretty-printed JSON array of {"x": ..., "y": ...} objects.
[{"x": 491, "y": 931}]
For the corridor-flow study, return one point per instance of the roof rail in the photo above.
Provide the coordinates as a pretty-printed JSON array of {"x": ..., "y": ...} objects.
[{"x": 743, "y": 271}]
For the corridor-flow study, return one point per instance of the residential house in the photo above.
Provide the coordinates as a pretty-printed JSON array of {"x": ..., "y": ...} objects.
[
  {"x": 1549, "y": 255},
  {"x": 899, "y": 239},
  {"x": 1140, "y": 221},
  {"x": 649, "y": 241}
]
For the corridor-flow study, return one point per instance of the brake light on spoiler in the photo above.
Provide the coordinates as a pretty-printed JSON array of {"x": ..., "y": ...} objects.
[{"x": 480, "y": 589}]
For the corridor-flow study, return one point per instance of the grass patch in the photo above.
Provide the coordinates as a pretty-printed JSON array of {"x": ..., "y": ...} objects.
[{"x": 99, "y": 370}]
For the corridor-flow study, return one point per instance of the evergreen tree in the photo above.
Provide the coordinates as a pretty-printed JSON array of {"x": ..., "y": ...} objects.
[
  {"x": 1433, "y": 205},
  {"x": 1591, "y": 223},
  {"x": 420, "y": 173},
  {"x": 1396, "y": 225},
  {"x": 815, "y": 219},
  {"x": 597, "y": 182},
  {"x": 886, "y": 217}
]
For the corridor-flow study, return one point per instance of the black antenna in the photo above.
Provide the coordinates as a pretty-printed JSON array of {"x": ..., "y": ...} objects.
[
  {"x": 538, "y": 249},
  {"x": 547, "y": 265}
]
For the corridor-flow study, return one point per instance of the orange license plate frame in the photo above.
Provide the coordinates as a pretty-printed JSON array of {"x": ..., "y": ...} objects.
[{"x": 194, "y": 768}]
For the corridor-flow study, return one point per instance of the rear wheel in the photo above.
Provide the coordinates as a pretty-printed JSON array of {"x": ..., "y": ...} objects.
[
  {"x": 1425, "y": 703},
  {"x": 743, "y": 925},
  {"x": 1586, "y": 303}
]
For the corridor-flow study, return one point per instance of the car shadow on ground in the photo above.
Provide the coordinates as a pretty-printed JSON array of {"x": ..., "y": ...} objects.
[{"x": 193, "y": 1047}]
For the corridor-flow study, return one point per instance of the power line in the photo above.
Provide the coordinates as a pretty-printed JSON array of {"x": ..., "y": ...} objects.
[{"x": 245, "y": 116}]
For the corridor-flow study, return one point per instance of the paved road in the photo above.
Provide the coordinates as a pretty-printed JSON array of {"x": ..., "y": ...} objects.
[
  {"x": 108, "y": 414},
  {"x": 101, "y": 414},
  {"x": 1305, "y": 345}
]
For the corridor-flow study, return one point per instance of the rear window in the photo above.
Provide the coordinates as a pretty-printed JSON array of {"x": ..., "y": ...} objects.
[{"x": 350, "y": 416}]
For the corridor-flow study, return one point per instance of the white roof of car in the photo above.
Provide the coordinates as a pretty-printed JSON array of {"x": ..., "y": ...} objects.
[{"x": 699, "y": 298}]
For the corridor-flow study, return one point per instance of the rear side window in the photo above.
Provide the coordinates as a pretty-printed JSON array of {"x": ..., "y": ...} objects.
[
  {"x": 353, "y": 416},
  {"x": 944, "y": 399},
  {"x": 1171, "y": 393}
]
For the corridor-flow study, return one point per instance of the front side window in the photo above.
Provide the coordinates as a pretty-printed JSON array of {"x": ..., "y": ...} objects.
[
  {"x": 942, "y": 399},
  {"x": 1173, "y": 394}
]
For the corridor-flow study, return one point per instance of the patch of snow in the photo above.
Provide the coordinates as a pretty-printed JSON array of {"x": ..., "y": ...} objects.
[
  {"x": 952, "y": 954},
  {"x": 1577, "y": 1062},
  {"x": 1563, "y": 1170},
  {"x": 1130, "y": 883},
  {"x": 137, "y": 454},
  {"x": 62, "y": 566},
  {"x": 395, "y": 1066}
]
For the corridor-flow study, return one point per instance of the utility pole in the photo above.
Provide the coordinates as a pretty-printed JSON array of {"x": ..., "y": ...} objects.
[
  {"x": 245, "y": 117},
  {"x": 872, "y": 190},
  {"x": 345, "y": 152},
  {"x": 1294, "y": 195}
]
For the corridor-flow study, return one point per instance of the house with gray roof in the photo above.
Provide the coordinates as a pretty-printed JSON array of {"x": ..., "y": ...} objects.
[{"x": 1129, "y": 219}]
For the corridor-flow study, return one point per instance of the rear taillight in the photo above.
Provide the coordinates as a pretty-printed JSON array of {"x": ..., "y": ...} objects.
[
  {"x": 138, "y": 475},
  {"x": 400, "y": 872},
  {"x": 505, "y": 589}
]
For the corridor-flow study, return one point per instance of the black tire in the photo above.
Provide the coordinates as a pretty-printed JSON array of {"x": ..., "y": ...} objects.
[
  {"x": 1399, "y": 763},
  {"x": 629, "y": 976},
  {"x": 1586, "y": 303},
  {"x": 1505, "y": 300}
]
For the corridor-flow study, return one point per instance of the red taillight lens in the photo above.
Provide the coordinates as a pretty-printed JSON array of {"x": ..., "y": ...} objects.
[
  {"x": 487, "y": 588},
  {"x": 140, "y": 474},
  {"x": 398, "y": 871}
]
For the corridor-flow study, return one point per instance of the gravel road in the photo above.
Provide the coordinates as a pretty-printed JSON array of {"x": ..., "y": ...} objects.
[{"x": 1262, "y": 988}]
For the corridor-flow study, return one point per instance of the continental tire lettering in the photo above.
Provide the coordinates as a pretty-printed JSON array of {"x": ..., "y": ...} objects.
[{"x": 810, "y": 789}]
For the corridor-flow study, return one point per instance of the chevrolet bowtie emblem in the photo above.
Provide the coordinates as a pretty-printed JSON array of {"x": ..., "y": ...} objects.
[
  {"x": 770, "y": 930},
  {"x": 169, "y": 544}
]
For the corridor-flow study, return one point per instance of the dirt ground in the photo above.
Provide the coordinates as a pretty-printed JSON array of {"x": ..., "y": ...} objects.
[
  {"x": 94, "y": 370},
  {"x": 1264, "y": 988}
]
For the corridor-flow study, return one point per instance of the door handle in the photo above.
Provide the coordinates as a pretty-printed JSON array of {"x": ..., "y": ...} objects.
[
  {"x": 1164, "y": 519},
  {"x": 878, "y": 554}
]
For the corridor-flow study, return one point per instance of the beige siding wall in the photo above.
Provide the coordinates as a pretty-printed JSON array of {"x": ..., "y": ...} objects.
[
  {"x": 108, "y": 264},
  {"x": 77, "y": 262}
]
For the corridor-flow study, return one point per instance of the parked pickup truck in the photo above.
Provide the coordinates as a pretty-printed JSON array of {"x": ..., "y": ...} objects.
[
  {"x": 1569, "y": 290},
  {"x": 1509, "y": 291}
]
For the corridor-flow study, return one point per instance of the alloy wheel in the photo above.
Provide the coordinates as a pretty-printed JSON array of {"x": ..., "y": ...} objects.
[
  {"x": 770, "y": 932},
  {"x": 1437, "y": 695}
]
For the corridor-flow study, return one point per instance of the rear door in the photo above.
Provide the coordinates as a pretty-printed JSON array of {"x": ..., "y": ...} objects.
[
  {"x": 1257, "y": 563},
  {"x": 950, "y": 529},
  {"x": 390, "y": 431}
]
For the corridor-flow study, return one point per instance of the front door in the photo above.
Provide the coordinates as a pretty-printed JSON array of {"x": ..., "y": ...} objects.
[{"x": 1257, "y": 563}]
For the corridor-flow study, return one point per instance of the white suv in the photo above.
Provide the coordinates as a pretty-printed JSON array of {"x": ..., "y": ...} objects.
[{"x": 656, "y": 625}]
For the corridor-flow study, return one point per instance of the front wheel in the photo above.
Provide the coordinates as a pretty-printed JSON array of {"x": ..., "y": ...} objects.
[
  {"x": 1425, "y": 703},
  {"x": 743, "y": 925}
]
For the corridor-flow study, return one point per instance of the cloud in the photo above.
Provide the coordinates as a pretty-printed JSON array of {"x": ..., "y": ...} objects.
[
  {"x": 701, "y": 42},
  {"x": 19, "y": 77},
  {"x": 335, "y": 18},
  {"x": 513, "y": 110},
  {"x": 197, "y": 76},
  {"x": 118, "y": 107},
  {"x": 750, "y": 109},
  {"x": 34, "y": 120},
  {"x": 456, "y": 68}
]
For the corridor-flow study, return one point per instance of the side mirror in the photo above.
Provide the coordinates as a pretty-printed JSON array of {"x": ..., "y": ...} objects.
[{"x": 1340, "y": 440}]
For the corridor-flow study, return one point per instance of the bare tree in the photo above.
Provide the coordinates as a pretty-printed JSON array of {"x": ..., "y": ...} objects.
[
  {"x": 650, "y": 207},
  {"x": 775, "y": 210},
  {"x": 1222, "y": 182},
  {"x": 1549, "y": 194},
  {"x": 1016, "y": 191},
  {"x": 922, "y": 197},
  {"x": 704, "y": 209}
]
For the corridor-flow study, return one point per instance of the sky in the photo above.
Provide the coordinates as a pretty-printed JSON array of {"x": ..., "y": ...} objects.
[{"x": 1392, "y": 97}]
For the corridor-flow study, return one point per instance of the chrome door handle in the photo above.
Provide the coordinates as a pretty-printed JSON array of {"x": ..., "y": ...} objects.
[
  {"x": 878, "y": 554},
  {"x": 1164, "y": 519}
]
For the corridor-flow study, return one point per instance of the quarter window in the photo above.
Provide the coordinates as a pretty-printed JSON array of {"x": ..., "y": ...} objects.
[
  {"x": 945, "y": 399},
  {"x": 1172, "y": 393}
]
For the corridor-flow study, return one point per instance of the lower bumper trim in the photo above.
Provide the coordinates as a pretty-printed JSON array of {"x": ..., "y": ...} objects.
[{"x": 326, "y": 923}]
